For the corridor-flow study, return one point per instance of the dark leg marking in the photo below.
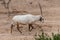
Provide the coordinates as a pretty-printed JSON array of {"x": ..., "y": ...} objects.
[
  {"x": 30, "y": 27},
  {"x": 18, "y": 28},
  {"x": 12, "y": 27}
]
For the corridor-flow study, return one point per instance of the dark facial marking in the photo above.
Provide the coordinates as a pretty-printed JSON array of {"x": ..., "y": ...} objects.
[{"x": 41, "y": 19}]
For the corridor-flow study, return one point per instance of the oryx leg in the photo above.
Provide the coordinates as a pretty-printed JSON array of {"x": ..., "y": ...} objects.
[
  {"x": 18, "y": 28},
  {"x": 12, "y": 27},
  {"x": 30, "y": 27}
]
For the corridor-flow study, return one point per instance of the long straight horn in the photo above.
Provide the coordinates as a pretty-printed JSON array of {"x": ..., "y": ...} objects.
[
  {"x": 41, "y": 12},
  {"x": 40, "y": 9}
]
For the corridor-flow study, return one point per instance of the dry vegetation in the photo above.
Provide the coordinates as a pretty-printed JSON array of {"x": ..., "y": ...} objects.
[{"x": 51, "y": 13}]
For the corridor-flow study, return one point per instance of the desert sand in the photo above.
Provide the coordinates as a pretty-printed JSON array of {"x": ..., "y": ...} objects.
[{"x": 51, "y": 14}]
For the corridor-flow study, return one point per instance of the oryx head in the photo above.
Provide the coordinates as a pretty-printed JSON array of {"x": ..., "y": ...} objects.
[{"x": 41, "y": 17}]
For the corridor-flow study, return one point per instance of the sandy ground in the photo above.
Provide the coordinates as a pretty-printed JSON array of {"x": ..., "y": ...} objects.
[
  {"x": 51, "y": 13},
  {"x": 50, "y": 25}
]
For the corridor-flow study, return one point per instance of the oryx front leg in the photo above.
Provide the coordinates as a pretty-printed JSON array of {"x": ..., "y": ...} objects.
[{"x": 30, "y": 27}]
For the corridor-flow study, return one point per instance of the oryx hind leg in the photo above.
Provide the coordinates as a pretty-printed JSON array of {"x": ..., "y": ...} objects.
[
  {"x": 12, "y": 27},
  {"x": 18, "y": 28}
]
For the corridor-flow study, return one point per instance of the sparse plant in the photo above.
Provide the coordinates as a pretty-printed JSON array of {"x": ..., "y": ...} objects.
[
  {"x": 6, "y": 5},
  {"x": 43, "y": 36},
  {"x": 55, "y": 36}
]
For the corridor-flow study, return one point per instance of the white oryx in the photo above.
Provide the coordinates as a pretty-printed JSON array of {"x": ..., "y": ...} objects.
[{"x": 26, "y": 19}]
